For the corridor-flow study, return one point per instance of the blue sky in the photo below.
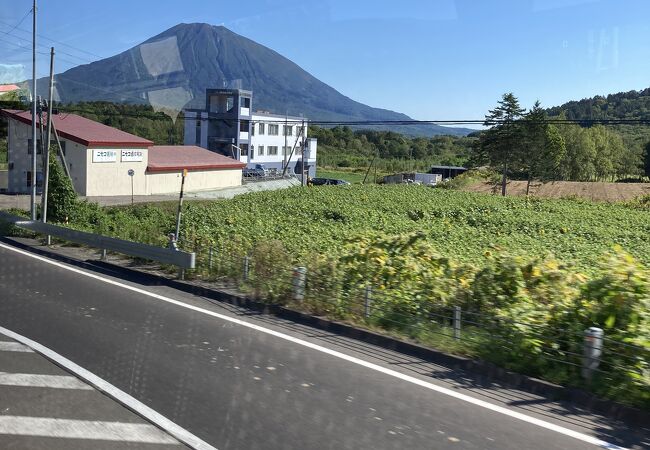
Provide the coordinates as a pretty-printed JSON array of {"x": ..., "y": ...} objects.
[{"x": 430, "y": 59}]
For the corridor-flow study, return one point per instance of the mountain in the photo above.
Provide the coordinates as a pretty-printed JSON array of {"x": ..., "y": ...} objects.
[{"x": 172, "y": 70}]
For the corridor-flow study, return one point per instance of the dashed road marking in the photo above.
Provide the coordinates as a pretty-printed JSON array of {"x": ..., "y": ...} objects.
[
  {"x": 14, "y": 347},
  {"x": 84, "y": 429},
  {"x": 46, "y": 381}
]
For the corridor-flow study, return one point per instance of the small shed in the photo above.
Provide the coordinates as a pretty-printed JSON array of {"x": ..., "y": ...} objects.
[{"x": 448, "y": 171}]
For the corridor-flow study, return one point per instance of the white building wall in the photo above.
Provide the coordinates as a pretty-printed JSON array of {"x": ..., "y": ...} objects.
[
  {"x": 75, "y": 158},
  {"x": 20, "y": 162},
  {"x": 278, "y": 141},
  {"x": 196, "y": 180},
  {"x": 112, "y": 177}
]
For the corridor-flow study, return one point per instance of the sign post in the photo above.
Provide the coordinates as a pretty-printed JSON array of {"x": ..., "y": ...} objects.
[
  {"x": 131, "y": 174},
  {"x": 180, "y": 207}
]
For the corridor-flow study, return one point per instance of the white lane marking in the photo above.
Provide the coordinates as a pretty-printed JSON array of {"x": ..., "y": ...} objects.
[
  {"x": 84, "y": 429},
  {"x": 442, "y": 390},
  {"x": 135, "y": 405},
  {"x": 46, "y": 381},
  {"x": 14, "y": 347}
]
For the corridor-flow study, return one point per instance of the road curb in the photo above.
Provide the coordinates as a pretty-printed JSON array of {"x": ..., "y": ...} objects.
[{"x": 488, "y": 372}]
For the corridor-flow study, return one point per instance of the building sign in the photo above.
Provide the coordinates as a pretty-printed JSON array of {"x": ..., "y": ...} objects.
[
  {"x": 132, "y": 155},
  {"x": 103, "y": 156}
]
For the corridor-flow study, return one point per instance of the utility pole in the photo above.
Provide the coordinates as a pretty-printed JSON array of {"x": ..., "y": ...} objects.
[
  {"x": 284, "y": 150},
  {"x": 46, "y": 152},
  {"x": 41, "y": 140},
  {"x": 304, "y": 154},
  {"x": 33, "y": 186}
]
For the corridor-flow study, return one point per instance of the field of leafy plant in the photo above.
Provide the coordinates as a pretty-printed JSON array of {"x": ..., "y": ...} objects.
[{"x": 529, "y": 275}]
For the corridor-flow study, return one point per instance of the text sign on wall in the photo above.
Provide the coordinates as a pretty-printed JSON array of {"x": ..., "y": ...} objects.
[
  {"x": 132, "y": 155},
  {"x": 103, "y": 156}
]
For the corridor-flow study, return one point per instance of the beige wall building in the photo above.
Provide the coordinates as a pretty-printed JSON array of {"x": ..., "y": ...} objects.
[{"x": 104, "y": 161}]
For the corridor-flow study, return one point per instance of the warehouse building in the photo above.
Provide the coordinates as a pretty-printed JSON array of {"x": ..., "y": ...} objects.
[
  {"x": 105, "y": 161},
  {"x": 229, "y": 126}
]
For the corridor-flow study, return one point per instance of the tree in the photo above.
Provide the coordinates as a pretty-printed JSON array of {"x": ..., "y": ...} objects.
[
  {"x": 501, "y": 145},
  {"x": 61, "y": 197}
]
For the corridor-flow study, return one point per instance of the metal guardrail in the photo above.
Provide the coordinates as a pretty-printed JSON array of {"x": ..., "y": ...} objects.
[{"x": 184, "y": 260}]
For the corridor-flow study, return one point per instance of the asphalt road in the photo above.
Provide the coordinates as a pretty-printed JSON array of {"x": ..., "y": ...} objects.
[{"x": 237, "y": 387}]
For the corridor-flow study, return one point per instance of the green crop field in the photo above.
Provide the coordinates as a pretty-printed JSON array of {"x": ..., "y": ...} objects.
[
  {"x": 463, "y": 226},
  {"x": 537, "y": 272}
]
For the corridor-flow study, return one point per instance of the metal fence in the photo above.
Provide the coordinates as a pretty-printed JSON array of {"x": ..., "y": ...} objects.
[{"x": 570, "y": 356}]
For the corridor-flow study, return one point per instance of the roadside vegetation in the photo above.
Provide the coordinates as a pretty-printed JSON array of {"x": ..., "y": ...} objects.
[{"x": 529, "y": 275}]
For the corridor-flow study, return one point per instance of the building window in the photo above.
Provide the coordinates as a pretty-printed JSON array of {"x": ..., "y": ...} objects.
[
  {"x": 245, "y": 102},
  {"x": 230, "y": 103},
  {"x": 38, "y": 147},
  {"x": 244, "y": 126},
  {"x": 244, "y": 149},
  {"x": 273, "y": 149},
  {"x": 288, "y": 130},
  {"x": 39, "y": 178},
  {"x": 286, "y": 150},
  {"x": 261, "y": 128},
  {"x": 197, "y": 139},
  {"x": 260, "y": 150},
  {"x": 274, "y": 130}
]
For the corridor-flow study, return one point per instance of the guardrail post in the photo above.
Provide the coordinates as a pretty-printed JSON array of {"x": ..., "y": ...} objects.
[
  {"x": 367, "y": 301},
  {"x": 181, "y": 274},
  {"x": 104, "y": 255},
  {"x": 456, "y": 322},
  {"x": 298, "y": 281},
  {"x": 592, "y": 348},
  {"x": 246, "y": 266}
]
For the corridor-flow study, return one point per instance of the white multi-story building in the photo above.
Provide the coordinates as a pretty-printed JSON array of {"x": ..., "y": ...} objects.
[{"x": 228, "y": 126}]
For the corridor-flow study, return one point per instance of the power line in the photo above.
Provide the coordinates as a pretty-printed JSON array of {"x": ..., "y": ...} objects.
[
  {"x": 19, "y": 22},
  {"x": 55, "y": 41},
  {"x": 21, "y": 46},
  {"x": 550, "y": 121},
  {"x": 85, "y": 60}
]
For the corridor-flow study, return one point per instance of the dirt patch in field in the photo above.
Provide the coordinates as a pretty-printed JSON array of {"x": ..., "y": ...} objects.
[{"x": 597, "y": 191}]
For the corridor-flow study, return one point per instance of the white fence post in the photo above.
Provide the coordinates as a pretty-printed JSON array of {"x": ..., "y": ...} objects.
[
  {"x": 456, "y": 322},
  {"x": 591, "y": 350},
  {"x": 367, "y": 301},
  {"x": 246, "y": 266},
  {"x": 298, "y": 281}
]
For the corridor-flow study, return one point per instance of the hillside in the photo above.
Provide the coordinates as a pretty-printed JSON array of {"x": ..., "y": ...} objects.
[
  {"x": 623, "y": 105},
  {"x": 173, "y": 69}
]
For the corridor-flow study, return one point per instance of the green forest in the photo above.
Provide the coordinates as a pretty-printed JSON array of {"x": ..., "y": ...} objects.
[{"x": 343, "y": 147}]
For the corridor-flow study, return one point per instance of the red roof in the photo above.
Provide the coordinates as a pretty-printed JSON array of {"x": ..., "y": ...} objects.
[
  {"x": 168, "y": 158},
  {"x": 84, "y": 131},
  {"x": 8, "y": 87}
]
